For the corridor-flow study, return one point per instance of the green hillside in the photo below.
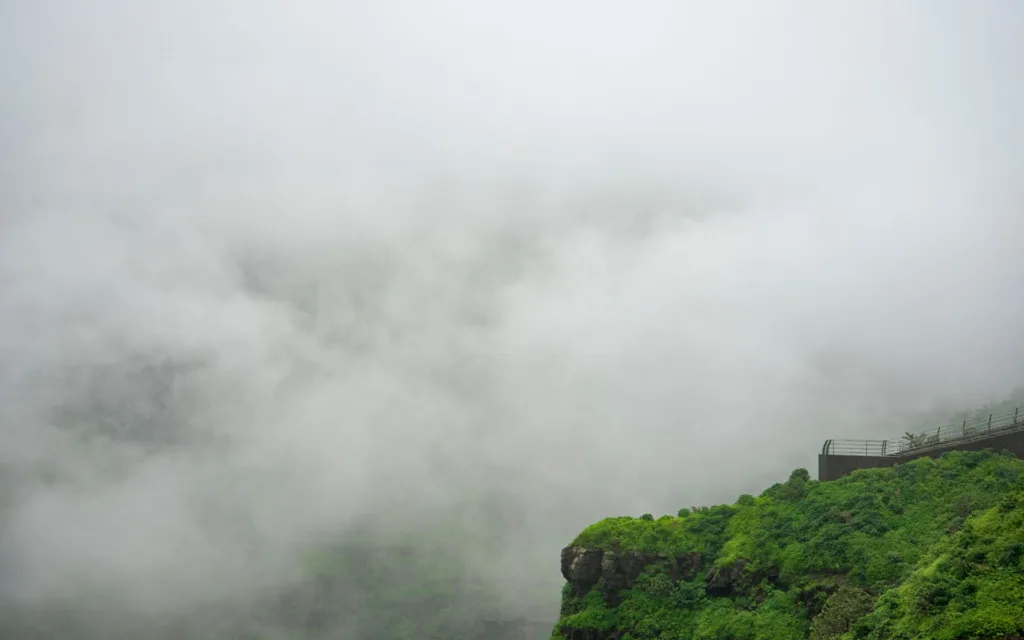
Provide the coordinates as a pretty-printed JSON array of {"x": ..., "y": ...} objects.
[{"x": 929, "y": 549}]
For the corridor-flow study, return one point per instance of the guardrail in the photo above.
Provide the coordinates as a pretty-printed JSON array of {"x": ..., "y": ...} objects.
[{"x": 965, "y": 431}]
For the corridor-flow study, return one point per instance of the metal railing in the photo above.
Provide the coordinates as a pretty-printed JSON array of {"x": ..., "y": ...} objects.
[{"x": 969, "y": 430}]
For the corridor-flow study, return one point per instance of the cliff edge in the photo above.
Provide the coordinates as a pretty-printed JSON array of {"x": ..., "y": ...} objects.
[{"x": 929, "y": 549}]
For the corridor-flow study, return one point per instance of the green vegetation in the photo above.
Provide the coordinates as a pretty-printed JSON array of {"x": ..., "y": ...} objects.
[{"x": 929, "y": 549}]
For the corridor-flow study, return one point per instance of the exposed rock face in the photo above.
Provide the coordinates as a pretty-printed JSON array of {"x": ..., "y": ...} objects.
[
  {"x": 724, "y": 581},
  {"x": 584, "y": 568}
]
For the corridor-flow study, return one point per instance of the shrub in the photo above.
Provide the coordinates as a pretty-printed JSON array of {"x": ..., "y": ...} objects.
[
  {"x": 746, "y": 500},
  {"x": 841, "y": 610}
]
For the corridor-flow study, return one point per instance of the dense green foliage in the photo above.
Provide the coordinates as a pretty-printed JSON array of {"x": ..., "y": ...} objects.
[
  {"x": 968, "y": 585},
  {"x": 928, "y": 549},
  {"x": 842, "y": 610}
]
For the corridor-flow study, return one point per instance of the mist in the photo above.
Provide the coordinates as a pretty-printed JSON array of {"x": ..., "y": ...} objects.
[{"x": 271, "y": 273}]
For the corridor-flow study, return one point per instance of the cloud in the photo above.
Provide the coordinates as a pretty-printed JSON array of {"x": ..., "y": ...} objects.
[{"x": 271, "y": 270}]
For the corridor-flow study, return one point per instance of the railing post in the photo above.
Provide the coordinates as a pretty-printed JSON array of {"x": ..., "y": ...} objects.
[
  {"x": 990, "y": 422},
  {"x": 965, "y": 427},
  {"x": 1015, "y": 416}
]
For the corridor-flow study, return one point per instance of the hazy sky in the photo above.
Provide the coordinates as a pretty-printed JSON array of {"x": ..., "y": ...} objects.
[{"x": 345, "y": 259}]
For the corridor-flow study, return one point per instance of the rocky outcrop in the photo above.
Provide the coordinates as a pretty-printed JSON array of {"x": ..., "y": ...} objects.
[
  {"x": 585, "y": 568},
  {"x": 723, "y": 581},
  {"x": 581, "y": 567},
  {"x": 616, "y": 571}
]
